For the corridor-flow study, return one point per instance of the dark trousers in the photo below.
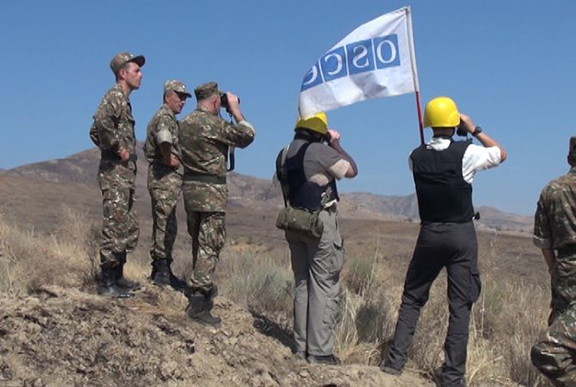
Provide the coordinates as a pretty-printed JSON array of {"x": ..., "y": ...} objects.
[{"x": 439, "y": 245}]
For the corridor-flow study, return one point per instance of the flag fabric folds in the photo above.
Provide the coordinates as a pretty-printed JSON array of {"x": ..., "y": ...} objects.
[{"x": 375, "y": 60}]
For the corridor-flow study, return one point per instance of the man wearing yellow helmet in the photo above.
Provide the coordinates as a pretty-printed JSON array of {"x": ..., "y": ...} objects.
[
  {"x": 443, "y": 173},
  {"x": 307, "y": 169}
]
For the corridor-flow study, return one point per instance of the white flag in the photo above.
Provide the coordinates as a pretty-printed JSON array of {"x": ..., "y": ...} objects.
[{"x": 375, "y": 60}]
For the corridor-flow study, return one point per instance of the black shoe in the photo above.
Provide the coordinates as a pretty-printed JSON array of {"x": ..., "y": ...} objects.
[
  {"x": 326, "y": 360},
  {"x": 389, "y": 370},
  {"x": 198, "y": 310},
  {"x": 108, "y": 287},
  {"x": 161, "y": 274},
  {"x": 457, "y": 383},
  {"x": 204, "y": 317},
  {"x": 124, "y": 283}
]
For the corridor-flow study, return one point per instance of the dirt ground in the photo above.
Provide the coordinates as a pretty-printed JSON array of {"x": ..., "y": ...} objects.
[{"x": 66, "y": 337}]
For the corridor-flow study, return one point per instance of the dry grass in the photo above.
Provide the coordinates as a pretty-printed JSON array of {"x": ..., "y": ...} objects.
[
  {"x": 30, "y": 260},
  {"x": 261, "y": 282},
  {"x": 506, "y": 320},
  {"x": 67, "y": 256},
  {"x": 509, "y": 315}
]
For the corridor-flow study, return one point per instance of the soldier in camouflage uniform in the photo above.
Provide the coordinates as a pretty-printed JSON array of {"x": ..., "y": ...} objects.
[
  {"x": 555, "y": 233},
  {"x": 205, "y": 139},
  {"x": 113, "y": 132},
  {"x": 165, "y": 179}
]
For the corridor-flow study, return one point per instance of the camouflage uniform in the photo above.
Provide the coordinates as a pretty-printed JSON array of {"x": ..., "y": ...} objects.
[
  {"x": 113, "y": 128},
  {"x": 164, "y": 182},
  {"x": 555, "y": 229},
  {"x": 205, "y": 140}
]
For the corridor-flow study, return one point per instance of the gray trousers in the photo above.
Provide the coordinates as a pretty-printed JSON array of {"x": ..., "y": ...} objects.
[{"x": 316, "y": 264}]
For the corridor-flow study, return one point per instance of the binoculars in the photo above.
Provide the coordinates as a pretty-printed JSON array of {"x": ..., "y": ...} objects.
[{"x": 224, "y": 101}]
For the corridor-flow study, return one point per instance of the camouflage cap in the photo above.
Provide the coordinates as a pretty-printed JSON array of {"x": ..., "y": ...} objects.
[
  {"x": 177, "y": 86},
  {"x": 206, "y": 90},
  {"x": 124, "y": 57}
]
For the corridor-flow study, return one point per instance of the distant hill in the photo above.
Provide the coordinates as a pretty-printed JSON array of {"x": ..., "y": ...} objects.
[
  {"x": 82, "y": 168},
  {"x": 406, "y": 208},
  {"x": 251, "y": 192},
  {"x": 499, "y": 220}
]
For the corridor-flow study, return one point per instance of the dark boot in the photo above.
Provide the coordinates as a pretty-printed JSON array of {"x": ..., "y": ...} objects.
[
  {"x": 198, "y": 310},
  {"x": 107, "y": 285},
  {"x": 178, "y": 284},
  {"x": 160, "y": 272},
  {"x": 326, "y": 360},
  {"x": 210, "y": 295},
  {"x": 124, "y": 283},
  {"x": 121, "y": 282}
]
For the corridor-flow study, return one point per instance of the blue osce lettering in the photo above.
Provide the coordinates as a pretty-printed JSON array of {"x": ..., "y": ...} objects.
[
  {"x": 361, "y": 57},
  {"x": 334, "y": 64},
  {"x": 354, "y": 58}
]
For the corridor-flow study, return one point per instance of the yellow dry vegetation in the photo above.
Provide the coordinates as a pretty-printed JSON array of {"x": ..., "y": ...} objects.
[{"x": 510, "y": 313}]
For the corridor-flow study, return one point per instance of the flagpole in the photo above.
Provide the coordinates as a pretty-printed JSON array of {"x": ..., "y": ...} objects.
[
  {"x": 420, "y": 123},
  {"x": 414, "y": 71}
]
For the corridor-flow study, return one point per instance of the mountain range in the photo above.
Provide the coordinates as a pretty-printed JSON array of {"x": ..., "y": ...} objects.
[{"x": 79, "y": 171}]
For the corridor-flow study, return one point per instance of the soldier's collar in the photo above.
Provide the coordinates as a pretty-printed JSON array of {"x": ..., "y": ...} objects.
[
  {"x": 168, "y": 110},
  {"x": 120, "y": 89},
  {"x": 203, "y": 109}
]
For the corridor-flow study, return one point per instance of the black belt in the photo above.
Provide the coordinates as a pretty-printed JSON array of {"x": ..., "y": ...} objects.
[
  {"x": 204, "y": 178},
  {"x": 567, "y": 250}
]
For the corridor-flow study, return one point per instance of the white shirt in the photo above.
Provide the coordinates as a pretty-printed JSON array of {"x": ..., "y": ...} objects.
[{"x": 476, "y": 157}]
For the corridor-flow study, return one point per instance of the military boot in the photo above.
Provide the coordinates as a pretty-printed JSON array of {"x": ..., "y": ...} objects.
[
  {"x": 124, "y": 283},
  {"x": 121, "y": 282},
  {"x": 210, "y": 295},
  {"x": 160, "y": 272},
  {"x": 177, "y": 283},
  {"x": 198, "y": 310},
  {"x": 107, "y": 285}
]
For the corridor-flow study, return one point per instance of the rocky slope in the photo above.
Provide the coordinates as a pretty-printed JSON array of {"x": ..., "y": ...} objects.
[{"x": 64, "y": 337}]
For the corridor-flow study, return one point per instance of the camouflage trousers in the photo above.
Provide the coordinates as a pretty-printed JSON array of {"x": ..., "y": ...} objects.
[
  {"x": 164, "y": 191},
  {"x": 555, "y": 352},
  {"x": 120, "y": 228},
  {"x": 208, "y": 233}
]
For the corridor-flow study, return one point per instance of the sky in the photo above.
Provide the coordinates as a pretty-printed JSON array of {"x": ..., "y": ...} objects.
[{"x": 510, "y": 65}]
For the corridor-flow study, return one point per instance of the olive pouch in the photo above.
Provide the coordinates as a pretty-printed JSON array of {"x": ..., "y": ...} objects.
[{"x": 302, "y": 221}]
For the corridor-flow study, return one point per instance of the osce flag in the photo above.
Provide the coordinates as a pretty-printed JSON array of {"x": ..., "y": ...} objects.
[{"x": 375, "y": 60}]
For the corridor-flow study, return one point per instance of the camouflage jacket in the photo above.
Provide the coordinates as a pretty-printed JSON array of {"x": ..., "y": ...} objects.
[
  {"x": 555, "y": 219},
  {"x": 163, "y": 127},
  {"x": 204, "y": 141},
  {"x": 113, "y": 128}
]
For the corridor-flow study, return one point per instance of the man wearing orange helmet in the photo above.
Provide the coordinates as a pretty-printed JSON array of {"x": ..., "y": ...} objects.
[
  {"x": 443, "y": 171},
  {"x": 307, "y": 170}
]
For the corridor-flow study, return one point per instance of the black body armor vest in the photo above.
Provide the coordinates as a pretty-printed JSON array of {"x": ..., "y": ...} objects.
[
  {"x": 302, "y": 193},
  {"x": 443, "y": 194}
]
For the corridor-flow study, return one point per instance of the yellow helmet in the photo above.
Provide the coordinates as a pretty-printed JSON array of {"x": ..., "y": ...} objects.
[
  {"x": 441, "y": 112},
  {"x": 318, "y": 123}
]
